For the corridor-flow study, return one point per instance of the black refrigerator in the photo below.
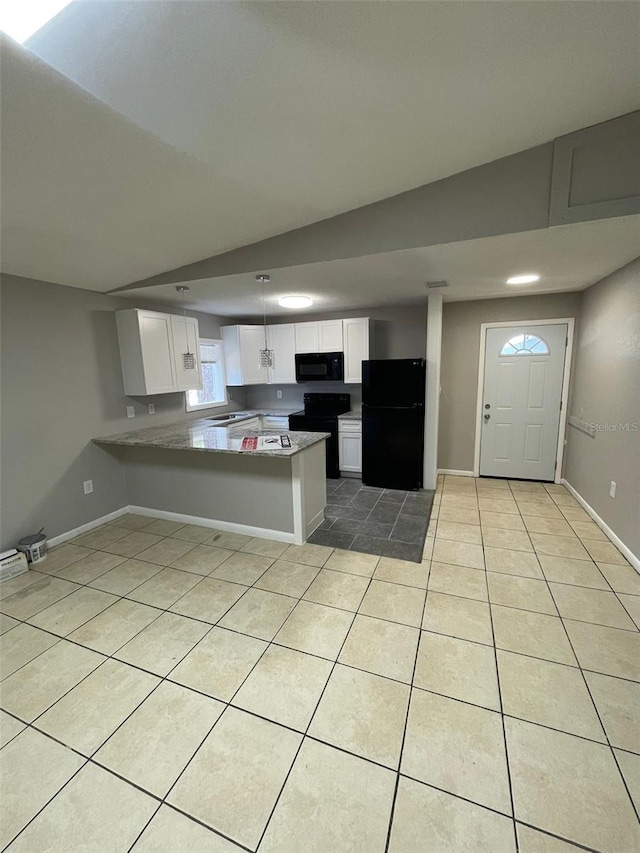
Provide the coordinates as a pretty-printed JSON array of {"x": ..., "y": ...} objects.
[{"x": 393, "y": 393}]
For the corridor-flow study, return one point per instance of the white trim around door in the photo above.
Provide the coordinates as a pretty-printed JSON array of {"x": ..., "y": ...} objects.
[
  {"x": 570, "y": 323},
  {"x": 432, "y": 394}
]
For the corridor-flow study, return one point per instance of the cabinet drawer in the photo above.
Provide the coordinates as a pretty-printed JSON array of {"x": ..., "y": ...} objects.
[
  {"x": 275, "y": 422},
  {"x": 350, "y": 426}
]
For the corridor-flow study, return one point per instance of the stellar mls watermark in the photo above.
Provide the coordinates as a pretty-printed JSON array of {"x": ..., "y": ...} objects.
[{"x": 620, "y": 426}]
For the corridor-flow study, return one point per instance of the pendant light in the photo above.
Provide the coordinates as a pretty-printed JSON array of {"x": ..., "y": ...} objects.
[
  {"x": 188, "y": 358},
  {"x": 266, "y": 354}
]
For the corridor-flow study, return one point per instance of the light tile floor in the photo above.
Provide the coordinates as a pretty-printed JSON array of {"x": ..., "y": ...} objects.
[{"x": 172, "y": 688}]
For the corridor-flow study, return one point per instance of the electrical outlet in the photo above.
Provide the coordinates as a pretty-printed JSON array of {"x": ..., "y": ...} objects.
[
  {"x": 612, "y": 490},
  {"x": 279, "y": 395},
  {"x": 131, "y": 412},
  {"x": 152, "y": 408},
  {"x": 87, "y": 485}
]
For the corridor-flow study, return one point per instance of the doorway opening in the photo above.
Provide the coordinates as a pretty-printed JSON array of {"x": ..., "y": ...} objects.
[{"x": 521, "y": 411}]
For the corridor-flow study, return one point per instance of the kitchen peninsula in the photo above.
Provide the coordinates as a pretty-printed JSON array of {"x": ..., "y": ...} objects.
[{"x": 195, "y": 472}]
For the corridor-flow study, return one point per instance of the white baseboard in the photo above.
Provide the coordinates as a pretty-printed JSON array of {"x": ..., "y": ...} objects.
[
  {"x": 626, "y": 552},
  {"x": 455, "y": 472},
  {"x": 229, "y": 526},
  {"x": 85, "y": 528}
]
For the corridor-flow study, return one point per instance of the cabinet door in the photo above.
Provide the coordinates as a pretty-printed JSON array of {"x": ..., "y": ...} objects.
[
  {"x": 156, "y": 344},
  {"x": 251, "y": 342},
  {"x": 330, "y": 336},
  {"x": 282, "y": 340},
  {"x": 306, "y": 337},
  {"x": 186, "y": 340},
  {"x": 356, "y": 347},
  {"x": 350, "y": 451}
]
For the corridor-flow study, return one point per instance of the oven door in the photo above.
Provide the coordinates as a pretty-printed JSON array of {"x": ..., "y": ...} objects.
[
  {"x": 319, "y": 367},
  {"x": 304, "y": 423}
]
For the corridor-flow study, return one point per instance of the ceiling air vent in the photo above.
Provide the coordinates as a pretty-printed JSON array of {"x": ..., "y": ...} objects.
[{"x": 434, "y": 285}]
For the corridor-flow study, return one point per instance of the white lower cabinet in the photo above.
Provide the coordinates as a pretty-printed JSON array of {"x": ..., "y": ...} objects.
[
  {"x": 350, "y": 446},
  {"x": 251, "y": 423},
  {"x": 275, "y": 422}
]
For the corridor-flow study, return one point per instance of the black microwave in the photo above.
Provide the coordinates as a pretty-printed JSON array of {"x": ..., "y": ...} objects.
[{"x": 320, "y": 367}]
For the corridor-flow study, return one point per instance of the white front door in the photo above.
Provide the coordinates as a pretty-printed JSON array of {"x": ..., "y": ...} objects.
[{"x": 523, "y": 372}]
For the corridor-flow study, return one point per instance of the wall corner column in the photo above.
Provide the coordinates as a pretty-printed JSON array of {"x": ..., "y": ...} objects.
[{"x": 432, "y": 397}]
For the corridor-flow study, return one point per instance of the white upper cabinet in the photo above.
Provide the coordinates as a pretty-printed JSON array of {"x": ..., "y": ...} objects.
[
  {"x": 306, "y": 337},
  {"x": 320, "y": 336},
  {"x": 330, "y": 336},
  {"x": 357, "y": 346},
  {"x": 152, "y": 345},
  {"x": 282, "y": 340},
  {"x": 185, "y": 345},
  {"x": 242, "y": 345}
]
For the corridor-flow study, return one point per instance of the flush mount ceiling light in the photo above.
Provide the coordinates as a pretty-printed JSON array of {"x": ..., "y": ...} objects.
[
  {"x": 528, "y": 278},
  {"x": 295, "y": 301},
  {"x": 20, "y": 19}
]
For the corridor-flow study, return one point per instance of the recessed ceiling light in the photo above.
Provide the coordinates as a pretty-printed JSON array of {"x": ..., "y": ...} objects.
[
  {"x": 295, "y": 301},
  {"x": 21, "y": 19},
  {"x": 529, "y": 278}
]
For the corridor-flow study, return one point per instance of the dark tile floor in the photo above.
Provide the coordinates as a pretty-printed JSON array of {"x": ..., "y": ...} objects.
[{"x": 374, "y": 521}]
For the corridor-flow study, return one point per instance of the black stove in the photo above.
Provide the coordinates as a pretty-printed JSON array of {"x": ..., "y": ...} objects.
[{"x": 321, "y": 415}]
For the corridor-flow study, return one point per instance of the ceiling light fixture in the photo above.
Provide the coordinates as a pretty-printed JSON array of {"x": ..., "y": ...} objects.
[
  {"x": 266, "y": 354},
  {"x": 21, "y": 19},
  {"x": 528, "y": 278},
  {"x": 295, "y": 301},
  {"x": 188, "y": 358}
]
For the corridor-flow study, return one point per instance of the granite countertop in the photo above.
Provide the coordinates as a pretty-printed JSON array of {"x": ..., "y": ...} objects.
[
  {"x": 231, "y": 418},
  {"x": 353, "y": 415},
  {"x": 202, "y": 434}
]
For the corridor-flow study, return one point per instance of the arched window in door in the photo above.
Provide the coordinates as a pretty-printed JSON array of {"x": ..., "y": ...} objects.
[{"x": 525, "y": 345}]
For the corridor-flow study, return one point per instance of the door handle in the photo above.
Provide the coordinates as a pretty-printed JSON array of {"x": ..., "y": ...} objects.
[{"x": 486, "y": 417}]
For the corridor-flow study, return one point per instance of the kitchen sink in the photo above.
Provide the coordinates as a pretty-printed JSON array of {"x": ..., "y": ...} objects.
[{"x": 230, "y": 416}]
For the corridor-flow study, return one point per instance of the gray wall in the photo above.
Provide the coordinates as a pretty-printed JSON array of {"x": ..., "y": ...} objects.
[
  {"x": 181, "y": 481},
  {"x": 459, "y": 369},
  {"x": 265, "y": 396},
  {"x": 606, "y": 390},
  {"x": 61, "y": 386},
  {"x": 399, "y": 332}
]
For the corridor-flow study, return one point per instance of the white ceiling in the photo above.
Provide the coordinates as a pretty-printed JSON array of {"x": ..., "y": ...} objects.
[
  {"x": 172, "y": 131},
  {"x": 570, "y": 257}
]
